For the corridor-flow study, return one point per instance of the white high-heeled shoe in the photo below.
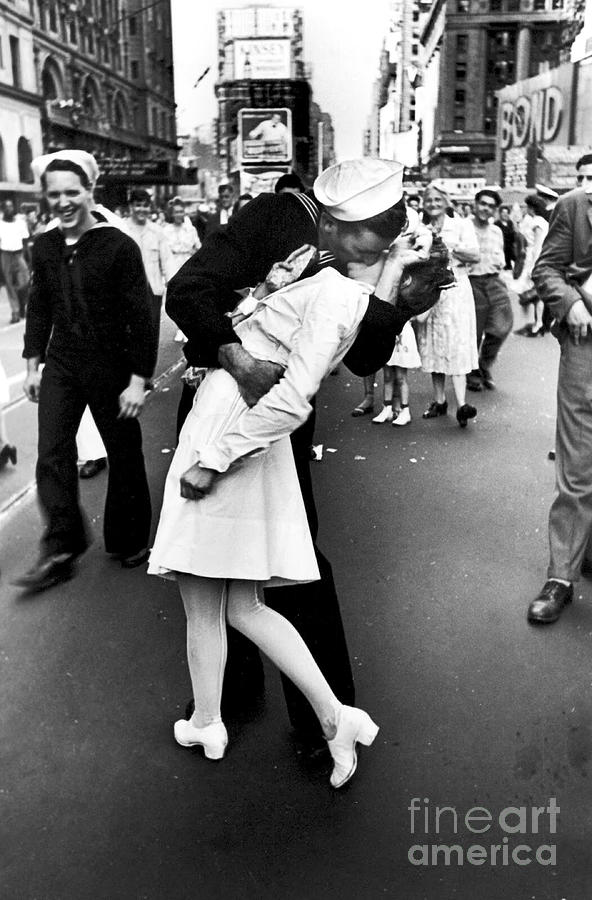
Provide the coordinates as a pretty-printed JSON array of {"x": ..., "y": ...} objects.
[
  {"x": 354, "y": 727},
  {"x": 385, "y": 415},
  {"x": 213, "y": 738}
]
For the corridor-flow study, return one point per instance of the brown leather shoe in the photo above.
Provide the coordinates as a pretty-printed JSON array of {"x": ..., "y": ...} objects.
[{"x": 549, "y": 604}]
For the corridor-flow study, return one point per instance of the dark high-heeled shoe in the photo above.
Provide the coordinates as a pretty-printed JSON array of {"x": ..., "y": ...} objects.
[
  {"x": 436, "y": 409},
  {"x": 8, "y": 452},
  {"x": 464, "y": 413}
]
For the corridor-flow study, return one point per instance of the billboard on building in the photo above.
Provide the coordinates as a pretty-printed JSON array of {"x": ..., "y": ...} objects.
[
  {"x": 264, "y": 135},
  {"x": 258, "y": 21},
  {"x": 533, "y": 114},
  {"x": 262, "y": 58}
]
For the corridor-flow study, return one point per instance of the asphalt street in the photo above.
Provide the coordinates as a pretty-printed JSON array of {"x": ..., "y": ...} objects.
[{"x": 437, "y": 537}]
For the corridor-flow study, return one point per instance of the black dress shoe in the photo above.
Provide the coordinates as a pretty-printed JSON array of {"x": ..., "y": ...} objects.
[
  {"x": 487, "y": 380},
  {"x": 549, "y": 604},
  {"x": 435, "y": 409},
  {"x": 47, "y": 571},
  {"x": 92, "y": 467},
  {"x": 135, "y": 559},
  {"x": 8, "y": 452},
  {"x": 464, "y": 413}
]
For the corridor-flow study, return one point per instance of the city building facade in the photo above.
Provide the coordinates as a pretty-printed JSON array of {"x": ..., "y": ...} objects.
[
  {"x": 393, "y": 131},
  {"x": 104, "y": 71},
  {"x": 20, "y": 105},
  {"x": 472, "y": 49},
  {"x": 268, "y": 122}
]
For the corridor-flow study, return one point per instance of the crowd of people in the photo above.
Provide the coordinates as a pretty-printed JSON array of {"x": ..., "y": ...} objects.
[{"x": 269, "y": 298}]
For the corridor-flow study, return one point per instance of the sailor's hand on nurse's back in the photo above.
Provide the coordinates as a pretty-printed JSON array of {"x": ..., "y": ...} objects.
[
  {"x": 289, "y": 270},
  {"x": 196, "y": 483},
  {"x": 254, "y": 377}
]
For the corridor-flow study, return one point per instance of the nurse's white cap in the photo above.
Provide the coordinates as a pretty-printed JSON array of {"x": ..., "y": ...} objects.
[
  {"x": 358, "y": 189},
  {"x": 81, "y": 158}
]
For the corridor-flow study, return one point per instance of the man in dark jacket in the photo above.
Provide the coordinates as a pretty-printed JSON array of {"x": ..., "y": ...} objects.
[
  {"x": 563, "y": 278},
  {"x": 356, "y": 214},
  {"x": 89, "y": 320}
]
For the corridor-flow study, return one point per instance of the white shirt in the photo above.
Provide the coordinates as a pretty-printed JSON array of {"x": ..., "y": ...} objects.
[
  {"x": 183, "y": 242},
  {"x": 155, "y": 254},
  {"x": 12, "y": 235},
  {"x": 307, "y": 328}
]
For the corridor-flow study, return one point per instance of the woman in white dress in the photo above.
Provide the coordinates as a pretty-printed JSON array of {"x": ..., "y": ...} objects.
[
  {"x": 446, "y": 335},
  {"x": 534, "y": 228},
  {"x": 233, "y": 519}
]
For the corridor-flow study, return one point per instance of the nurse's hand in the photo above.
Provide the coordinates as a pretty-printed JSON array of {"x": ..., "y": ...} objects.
[{"x": 196, "y": 482}]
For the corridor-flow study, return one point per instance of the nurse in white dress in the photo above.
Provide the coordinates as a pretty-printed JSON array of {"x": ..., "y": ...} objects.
[{"x": 233, "y": 519}]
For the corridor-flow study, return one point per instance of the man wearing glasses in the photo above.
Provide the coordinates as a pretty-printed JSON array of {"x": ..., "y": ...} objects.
[{"x": 492, "y": 301}]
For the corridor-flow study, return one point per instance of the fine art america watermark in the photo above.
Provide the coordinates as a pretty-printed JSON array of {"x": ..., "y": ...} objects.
[{"x": 522, "y": 827}]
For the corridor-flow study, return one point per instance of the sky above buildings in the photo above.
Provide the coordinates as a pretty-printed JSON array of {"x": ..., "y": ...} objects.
[{"x": 342, "y": 43}]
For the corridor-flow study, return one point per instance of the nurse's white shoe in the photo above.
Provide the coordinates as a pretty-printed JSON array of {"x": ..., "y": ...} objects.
[
  {"x": 213, "y": 738},
  {"x": 354, "y": 727},
  {"x": 385, "y": 415}
]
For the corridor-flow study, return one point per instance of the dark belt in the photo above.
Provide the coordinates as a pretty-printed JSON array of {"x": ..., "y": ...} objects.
[{"x": 486, "y": 275}]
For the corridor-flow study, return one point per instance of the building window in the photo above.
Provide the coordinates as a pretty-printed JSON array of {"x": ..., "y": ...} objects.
[
  {"x": 53, "y": 17},
  {"x": 49, "y": 83},
  {"x": 459, "y": 123},
  {"x": 72, "y": 32},
  {"x": 154, "y": 121},
  {"x": 90, "y": 42},
  {"x": 461, "y": 71},
  {"x": 557, "y": 4},
  {"x": 15, "y": 59},
  {"x": 460, "y": 97},
  {"x": 488, "y": 125},
  {"x": 25, "y": 158},
  {"x": 462, "y": 6},
  {"x": 135, "y": 69},
  {"x": 462, "y": 43},
  {"x": 539, "y": 5},
  {"x": 133, "y": 26},
  {"x": 513, "y": 5},
  {"x": 495, "y": 6}
]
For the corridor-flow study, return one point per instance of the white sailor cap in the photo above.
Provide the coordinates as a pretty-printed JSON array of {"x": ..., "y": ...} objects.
[
  {"x": 547, "y": 192},
  {"x": 81, "y": 158},
  {"x": 358, "y": 189}
]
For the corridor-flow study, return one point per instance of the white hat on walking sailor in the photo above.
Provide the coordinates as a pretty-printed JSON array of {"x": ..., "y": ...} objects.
[
  {"x": 80, "y": 158},
  {"x": 546, "y": 192},
  {"x": 358, "y": 189}
]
